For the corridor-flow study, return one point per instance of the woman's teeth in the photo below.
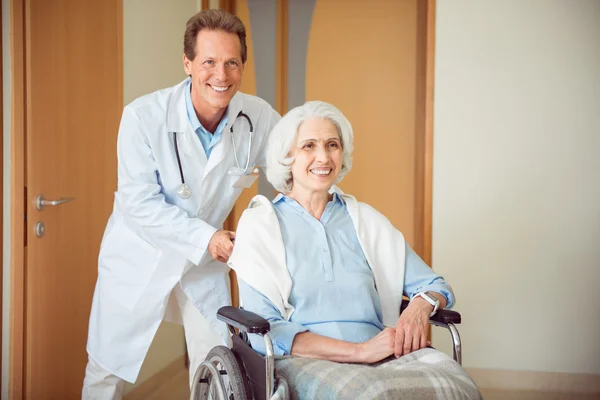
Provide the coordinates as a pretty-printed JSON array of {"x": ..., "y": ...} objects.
[{"x": 321, "y": 171}]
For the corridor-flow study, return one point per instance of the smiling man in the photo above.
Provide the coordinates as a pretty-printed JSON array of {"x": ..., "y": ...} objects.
[{"x": 184, "y": 155}]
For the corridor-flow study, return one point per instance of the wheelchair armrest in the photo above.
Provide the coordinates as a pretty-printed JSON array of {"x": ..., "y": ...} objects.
[
  {"x": 446, "y": 317},
  {"x": 245, "y": 321},
  {"x": 442, "y": 316}
]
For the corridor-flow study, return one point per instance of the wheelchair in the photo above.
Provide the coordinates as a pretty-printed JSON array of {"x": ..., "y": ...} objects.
[{"x": 240, "y": 373}]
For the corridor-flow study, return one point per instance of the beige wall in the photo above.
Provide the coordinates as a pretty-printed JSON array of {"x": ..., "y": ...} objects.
[
  {"x": 153, "y": 44},
  {"x": 153, "y": 50},
  {"x": 516, "y": 191}
]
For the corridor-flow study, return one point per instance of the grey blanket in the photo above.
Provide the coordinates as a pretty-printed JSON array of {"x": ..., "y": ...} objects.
[{"x": 424, "y": 374}]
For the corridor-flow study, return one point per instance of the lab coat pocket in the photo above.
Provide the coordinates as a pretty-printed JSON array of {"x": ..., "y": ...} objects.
[{"x": 127, "y": 264}]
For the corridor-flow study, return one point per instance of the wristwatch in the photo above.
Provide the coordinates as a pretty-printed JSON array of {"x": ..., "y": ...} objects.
[{"x": 430, "y": 299}]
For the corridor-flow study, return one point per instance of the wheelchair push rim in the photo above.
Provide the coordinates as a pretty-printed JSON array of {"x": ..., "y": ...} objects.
[{"x": 219, "y": 377}]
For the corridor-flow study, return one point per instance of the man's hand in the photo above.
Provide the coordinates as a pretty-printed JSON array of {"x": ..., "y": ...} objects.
[
  {"x": 377, "y": 348},
  {"x": 221, "y": 245},
  {"x": 411, "y": 328}
]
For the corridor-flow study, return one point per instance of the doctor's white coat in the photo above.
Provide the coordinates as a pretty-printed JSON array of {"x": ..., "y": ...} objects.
[{"x": 154, "y": 239}]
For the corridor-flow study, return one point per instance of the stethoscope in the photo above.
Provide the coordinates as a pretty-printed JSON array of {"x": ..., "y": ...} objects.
[{"x": 184, "y": 191}]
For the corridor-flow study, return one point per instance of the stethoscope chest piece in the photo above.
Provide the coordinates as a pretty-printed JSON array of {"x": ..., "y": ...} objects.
[{"x": 184, "y": 191}]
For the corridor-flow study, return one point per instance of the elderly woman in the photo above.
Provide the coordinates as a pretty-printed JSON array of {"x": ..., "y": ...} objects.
[{"x": 329, "y": 272}]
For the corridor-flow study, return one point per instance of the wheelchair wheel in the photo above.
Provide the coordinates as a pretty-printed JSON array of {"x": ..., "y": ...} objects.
[{"x": 230, "y": 374}]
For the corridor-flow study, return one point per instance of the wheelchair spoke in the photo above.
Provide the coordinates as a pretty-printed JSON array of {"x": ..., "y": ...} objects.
[{"x": 226, "y": 381}]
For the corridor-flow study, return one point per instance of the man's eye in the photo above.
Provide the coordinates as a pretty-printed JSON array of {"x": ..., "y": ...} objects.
[
  {"x": 233, "y": 63},
  {"x": 209, "y": 62}
]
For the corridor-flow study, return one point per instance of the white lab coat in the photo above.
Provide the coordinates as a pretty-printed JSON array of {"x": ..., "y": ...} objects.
[{"x": 154, "y": 239}]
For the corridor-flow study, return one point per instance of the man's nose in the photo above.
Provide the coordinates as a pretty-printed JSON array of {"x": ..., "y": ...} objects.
[{"x": 220, "y": 72}]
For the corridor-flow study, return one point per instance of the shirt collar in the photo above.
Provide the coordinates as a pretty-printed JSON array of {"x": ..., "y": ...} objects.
[{"x": 281, "y": 197}]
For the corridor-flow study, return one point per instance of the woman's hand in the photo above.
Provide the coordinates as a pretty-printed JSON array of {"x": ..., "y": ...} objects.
[
  {"x": 411, "y": 328},
  {"x": 377, "y": 348}
]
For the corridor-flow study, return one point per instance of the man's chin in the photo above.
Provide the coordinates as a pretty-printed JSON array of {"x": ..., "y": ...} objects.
[{"x": 221, "y": 101}]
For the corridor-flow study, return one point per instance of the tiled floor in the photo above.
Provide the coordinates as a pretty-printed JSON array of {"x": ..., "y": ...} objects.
[{"x": 177, "y": 389}]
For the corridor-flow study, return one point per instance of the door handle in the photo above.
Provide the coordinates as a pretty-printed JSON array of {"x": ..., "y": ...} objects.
[{"x": 41, "y": 202}]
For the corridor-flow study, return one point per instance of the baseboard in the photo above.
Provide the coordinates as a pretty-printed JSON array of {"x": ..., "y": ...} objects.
[
  {"x": 150, "y": 385},
  {"x": 532, "y": 380}
]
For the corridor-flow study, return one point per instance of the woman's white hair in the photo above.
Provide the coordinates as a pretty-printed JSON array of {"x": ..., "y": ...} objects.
[{"x": 283, "y": 137}]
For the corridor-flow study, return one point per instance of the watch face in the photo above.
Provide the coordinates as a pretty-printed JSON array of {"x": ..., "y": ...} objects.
[{"x": 432, "y": 299}]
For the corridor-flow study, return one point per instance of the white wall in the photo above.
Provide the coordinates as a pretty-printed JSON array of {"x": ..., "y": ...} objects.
[
  {"x": 516, "y": 191},
  {"x": 153, "y": 50}
]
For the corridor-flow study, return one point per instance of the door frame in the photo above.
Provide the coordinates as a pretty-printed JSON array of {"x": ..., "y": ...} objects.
[
  {"x": 426, "y": 19},
  {"x": 1, "y": 184},
  {"x": 17, "y": 200}
]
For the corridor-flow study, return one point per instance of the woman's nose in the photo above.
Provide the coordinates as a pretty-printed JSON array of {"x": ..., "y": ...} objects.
[{"x": 322, "y": 154}]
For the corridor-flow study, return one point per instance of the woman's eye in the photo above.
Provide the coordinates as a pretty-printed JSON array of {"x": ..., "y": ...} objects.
[
  {"x": 308, "y": 146},
  {"x": 333, "y": 145}
]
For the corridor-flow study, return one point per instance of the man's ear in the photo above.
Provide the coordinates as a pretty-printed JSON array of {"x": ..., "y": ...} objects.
[{"x": 187, "y": 65}]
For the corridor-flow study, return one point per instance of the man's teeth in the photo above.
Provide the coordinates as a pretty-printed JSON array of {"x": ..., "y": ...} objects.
[
  {"x": 321, "y": 171},
  {"x": 219, "y": 89}
]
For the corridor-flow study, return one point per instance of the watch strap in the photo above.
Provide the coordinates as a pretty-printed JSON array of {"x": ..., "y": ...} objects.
[{"x": 430, "y": 299}]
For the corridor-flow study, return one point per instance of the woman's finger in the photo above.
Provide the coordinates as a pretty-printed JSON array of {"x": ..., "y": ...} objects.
[
  {"x": 416, "y": 343},
  {"x": 408, "y": 339},
  {"x": 424, "y": 341},
  {"x": 399, "y": 342}
]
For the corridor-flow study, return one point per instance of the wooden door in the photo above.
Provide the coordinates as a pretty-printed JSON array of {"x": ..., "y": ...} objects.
[
  {"x": 373, "y": 60},
  {"x": 374, "y": 82},
  {"x": 73, "y": 101}
]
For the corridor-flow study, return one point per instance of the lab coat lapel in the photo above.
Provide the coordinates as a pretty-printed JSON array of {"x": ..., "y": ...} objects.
[
  {"x": 177, "y": 119},
  {"x": 219, "y": 152},
  {"x": 223, "y": 148},
  {"x": 192, "y": 155}
]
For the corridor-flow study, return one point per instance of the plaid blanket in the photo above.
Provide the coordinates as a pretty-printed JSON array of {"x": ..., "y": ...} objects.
[{"x": 424, "y": 374}]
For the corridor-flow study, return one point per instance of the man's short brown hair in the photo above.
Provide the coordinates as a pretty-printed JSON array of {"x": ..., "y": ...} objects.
[{"x": 214, "y": 20}]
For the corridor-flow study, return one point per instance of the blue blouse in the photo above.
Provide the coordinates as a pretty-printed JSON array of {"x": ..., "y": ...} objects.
[{"x": 333, "y": 288}]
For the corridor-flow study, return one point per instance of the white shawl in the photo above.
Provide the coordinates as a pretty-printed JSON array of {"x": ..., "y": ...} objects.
[{"x": 258, "y": 256}]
